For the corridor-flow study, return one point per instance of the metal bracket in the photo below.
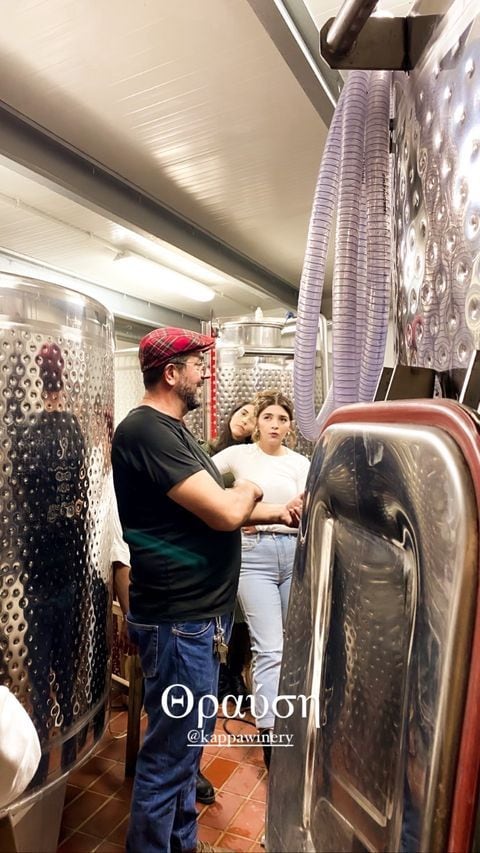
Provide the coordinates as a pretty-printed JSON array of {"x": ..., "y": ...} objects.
[{"x": 382, "y": 43}]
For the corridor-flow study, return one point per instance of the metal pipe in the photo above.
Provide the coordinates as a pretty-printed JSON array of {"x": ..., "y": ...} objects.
[
  {"x": 323, "y": 329},
  {"x": 287, "y": 351},
  {"x": 348, "y": 23}
]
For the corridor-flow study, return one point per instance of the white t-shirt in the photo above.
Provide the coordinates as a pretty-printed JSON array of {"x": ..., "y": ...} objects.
[
  {"x": 19, "y": 748},
  {"x": 120, "y": 552},
  {"x": 281, "y": 478}
]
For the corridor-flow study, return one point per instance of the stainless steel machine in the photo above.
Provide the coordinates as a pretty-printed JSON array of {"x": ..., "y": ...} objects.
[
  {"x": 56, "y": 421},
  {"x": 383, "y": 635}
]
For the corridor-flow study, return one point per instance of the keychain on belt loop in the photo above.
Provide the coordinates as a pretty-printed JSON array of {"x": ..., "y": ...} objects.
[{"x": 220, "y": 647}]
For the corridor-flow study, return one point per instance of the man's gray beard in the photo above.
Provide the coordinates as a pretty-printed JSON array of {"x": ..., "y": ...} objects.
[{"x": 189, "y": 398}]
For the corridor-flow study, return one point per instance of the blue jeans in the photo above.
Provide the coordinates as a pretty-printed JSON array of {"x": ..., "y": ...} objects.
[
  {"x": 163, "y": 817},
  {"x": 264, "y": 589}
]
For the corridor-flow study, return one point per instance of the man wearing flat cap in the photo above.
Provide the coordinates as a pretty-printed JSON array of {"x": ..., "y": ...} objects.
[{"x": 183, "y": 530}]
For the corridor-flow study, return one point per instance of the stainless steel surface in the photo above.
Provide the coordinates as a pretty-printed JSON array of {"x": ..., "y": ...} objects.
[
  {"x": 253, "y": 333},
  {"x": 36, "y": 826},
  {"x": 282, "y": 351},
  {"x": 54, "y": 505},
  {"x": 241, "y": 377},
  {"x": 380, "y": 618},
  {"x": 437, "y": 201}
]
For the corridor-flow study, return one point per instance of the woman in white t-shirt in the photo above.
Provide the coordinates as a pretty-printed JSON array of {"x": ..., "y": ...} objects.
[{"x": 267, "y": 550}]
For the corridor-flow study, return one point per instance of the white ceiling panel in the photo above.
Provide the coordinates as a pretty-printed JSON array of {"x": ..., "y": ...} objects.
[
  {"x": 188, "y": 100},
  {"x": 38, "y": 223}
]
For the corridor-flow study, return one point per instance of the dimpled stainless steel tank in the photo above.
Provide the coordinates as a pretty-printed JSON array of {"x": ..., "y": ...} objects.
[
  {"x": 56, "y": 417},
  {"x": 436, "y": 197}
]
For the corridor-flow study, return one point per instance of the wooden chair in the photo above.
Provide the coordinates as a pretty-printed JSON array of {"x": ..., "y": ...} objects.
[{"x": 131, "y": 684}]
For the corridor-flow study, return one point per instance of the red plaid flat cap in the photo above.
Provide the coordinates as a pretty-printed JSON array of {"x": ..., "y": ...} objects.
[{"x": 162, "y": 345}]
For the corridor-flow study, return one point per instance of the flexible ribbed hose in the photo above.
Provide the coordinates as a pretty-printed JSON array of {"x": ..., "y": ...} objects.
[
  {"x": 345, "y": 290},
  {"x": 313, "y": 276},
  {"x": 356, "y": 149},
  {"x": 362, "y": 285},
  {"x": 377, "y": 171}
]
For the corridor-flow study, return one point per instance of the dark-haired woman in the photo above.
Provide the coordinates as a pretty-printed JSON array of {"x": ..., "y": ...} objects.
[{"x": 237, "y": 429}]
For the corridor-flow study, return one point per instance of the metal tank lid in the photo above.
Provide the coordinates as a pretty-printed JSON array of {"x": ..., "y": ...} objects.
[
  {"x": 258, "y": 319},
  {"x": 275, "y": 322},
  {"x": 26, "y": 300}
]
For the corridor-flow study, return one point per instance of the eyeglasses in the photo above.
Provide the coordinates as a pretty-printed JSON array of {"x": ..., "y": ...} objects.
[{"x": 200, "y": 366}]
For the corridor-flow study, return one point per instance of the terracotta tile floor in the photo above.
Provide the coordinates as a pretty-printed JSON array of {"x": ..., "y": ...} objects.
[{"x": 95, "y": 815}]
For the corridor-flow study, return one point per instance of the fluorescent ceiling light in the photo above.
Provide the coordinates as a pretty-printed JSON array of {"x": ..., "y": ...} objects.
[
  {"x": 166, "y": 255},
  {"x": 163, "y": 278}
]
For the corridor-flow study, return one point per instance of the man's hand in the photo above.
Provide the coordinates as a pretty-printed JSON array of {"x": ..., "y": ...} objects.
[
  {"x": 124, "y": 642},
  {"x": 265, "y": 513},
  {"x": 257, "y": 491},
  {"x": 291, "y": 513},
  {"x": 295, "y": 507},
  {"x": 286, "y": 517},
  {"x": 222, "y": 509},
  {"x": 121, "y": 583}
]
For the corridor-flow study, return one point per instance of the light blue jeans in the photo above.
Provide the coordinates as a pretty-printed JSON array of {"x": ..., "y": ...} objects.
[{"x": 265, "y": 578}]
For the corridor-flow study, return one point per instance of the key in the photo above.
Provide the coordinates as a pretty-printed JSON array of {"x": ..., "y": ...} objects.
[
  {"x": 222, "y": 651},
  {"x": 219, "y": 644}
]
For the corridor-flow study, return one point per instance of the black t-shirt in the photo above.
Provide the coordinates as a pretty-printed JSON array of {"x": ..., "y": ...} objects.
[{"x": 182, "y": 569}]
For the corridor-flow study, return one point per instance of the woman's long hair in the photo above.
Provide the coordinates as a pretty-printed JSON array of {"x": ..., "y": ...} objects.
[{"x": 225, "y": 437}]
